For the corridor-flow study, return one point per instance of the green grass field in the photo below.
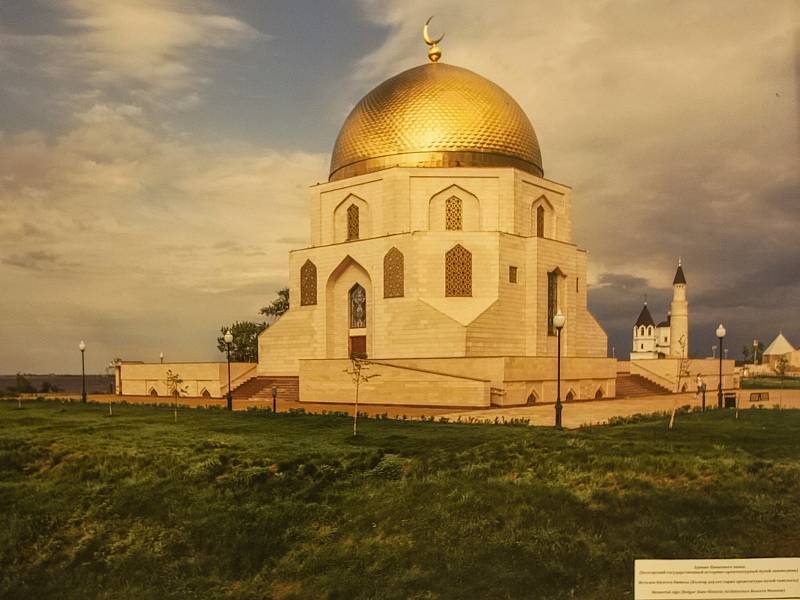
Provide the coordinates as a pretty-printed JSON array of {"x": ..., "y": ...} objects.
[
  {"x": 254, "y": 505},
  {"x": 771, "y": 383}
]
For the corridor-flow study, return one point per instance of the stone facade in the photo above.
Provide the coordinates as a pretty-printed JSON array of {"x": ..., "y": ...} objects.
[
  {"x": 480, "y": 290},
  {"x": 209, "y": 380}
]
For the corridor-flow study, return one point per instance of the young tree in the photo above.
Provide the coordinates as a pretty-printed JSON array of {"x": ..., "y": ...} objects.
[
  {"x": 358, "y": 373},
  {"x": 175, "y": 388},
  {"x": 780, "y": 370},
  {"x": 279, "y": 306},
  {"x": 22, "y": 386},
  {"x": 683, "y": 371},
  {"x": 244, "y": 347}
]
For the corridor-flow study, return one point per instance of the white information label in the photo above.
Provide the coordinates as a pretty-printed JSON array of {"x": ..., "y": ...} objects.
[{"x": 712, "y": 579}]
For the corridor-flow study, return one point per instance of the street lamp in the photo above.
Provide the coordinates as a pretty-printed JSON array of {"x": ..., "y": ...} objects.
[
  {"x": 82, "y": 348},
  {"x": 558, "y": 322},
  {"x": 161, "y": 356},
  {"x": 228, "y": 339},
  {"x": 720, "y": 335}
]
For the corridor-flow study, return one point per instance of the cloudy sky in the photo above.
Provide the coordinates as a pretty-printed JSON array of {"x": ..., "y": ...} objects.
[{"x": 155, "y": 156}]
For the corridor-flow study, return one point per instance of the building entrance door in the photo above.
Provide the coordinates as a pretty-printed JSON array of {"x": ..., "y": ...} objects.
[{"x": 358, "y": 345}]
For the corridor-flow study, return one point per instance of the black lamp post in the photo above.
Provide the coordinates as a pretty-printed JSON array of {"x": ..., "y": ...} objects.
[
  {"x": 274, "y": 399},
  {"x": 720, "y": 336},
  {"x": 228, "y": 339},
  {"x": 558, "y": 322},
  {"x": 82, "y": 348}
]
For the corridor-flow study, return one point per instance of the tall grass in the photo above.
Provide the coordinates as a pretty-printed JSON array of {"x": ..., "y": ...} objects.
[{"x": 256, "y": 505}]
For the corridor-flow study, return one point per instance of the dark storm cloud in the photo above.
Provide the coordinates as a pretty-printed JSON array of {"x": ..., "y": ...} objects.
[
  {"x": 616, "y": 300},
  {"x": 775, "y": 285}
]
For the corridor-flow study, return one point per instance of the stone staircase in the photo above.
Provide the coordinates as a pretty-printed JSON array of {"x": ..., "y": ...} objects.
[
  {"x": 635, "y": 386},
  {"x": 260, "y": 388}
]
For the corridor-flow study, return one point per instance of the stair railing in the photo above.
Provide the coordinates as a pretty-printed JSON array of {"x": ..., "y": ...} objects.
[
  {"x": 652, "y": 376},
  {"x": 238, "y": 380}
]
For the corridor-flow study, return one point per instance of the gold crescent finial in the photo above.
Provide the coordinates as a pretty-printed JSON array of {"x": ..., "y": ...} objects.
[{"x": 434, "y": 52}]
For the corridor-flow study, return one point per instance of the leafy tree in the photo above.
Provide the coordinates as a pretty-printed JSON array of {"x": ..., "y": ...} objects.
[
  {"x": 47, "y": 387},
  {"x": 174, "y": 384},
  {"x": 781, "y": 367},
  {"x": 279, "y": 306},
  {"x": 22, "y": 385},
  {"x": 244, "y": 347},
  {"x": 747, "y": 352}
]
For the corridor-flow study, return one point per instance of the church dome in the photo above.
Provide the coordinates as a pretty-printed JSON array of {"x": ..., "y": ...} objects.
[{"x": 435, "y": 115}]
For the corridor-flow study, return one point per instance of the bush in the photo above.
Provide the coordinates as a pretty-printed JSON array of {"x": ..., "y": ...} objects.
[{"x": 390, "y": 467}]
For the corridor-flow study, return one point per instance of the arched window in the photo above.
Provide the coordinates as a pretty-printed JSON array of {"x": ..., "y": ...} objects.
[
  {"x": 358, "y": 307},
  {"x": 598, "y": 394},
  {"x": 453, "y": 214},
  {"x": 539, "y": 218},
  {"x": 458, "y": 272},
  {"x": 649, "y": 331},
  {"x": 393, "y": 274},
  {"x": 153, "y": 392},
  {"x": 532, "y": 398},
  {"x": 352, "y": 222},
  {"x": 308, "y": 284},
  {"x": 641, "y": 331},
  {"x": 570, "y": 396},
  {"x": 205, "y": 393}
]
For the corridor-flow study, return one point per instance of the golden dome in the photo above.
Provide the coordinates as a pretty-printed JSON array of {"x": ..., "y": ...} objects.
[{"x": 435, "y": 115}]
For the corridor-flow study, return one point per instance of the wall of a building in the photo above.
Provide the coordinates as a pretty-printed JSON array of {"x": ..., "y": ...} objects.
[
  {"x": 499, "y": 318},
  {"x": 459, "y": 381},
  {"x": 138, "y": 379},
  {"x": 664, "y": 372},
  {"x": 326, "y": 381}
]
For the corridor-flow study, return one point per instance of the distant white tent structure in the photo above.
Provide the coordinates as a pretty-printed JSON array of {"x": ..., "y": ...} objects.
[{"x": 779, "y": 347}]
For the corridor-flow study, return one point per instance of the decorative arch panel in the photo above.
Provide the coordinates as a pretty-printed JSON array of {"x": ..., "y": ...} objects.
[
  {"x": 308, "y": 284},
  {"x": 453, "y": 214},
  {"x": 352, "y": 222},
  {"x": 393, "y": 274},
  {"x": 458, "y": 272}
]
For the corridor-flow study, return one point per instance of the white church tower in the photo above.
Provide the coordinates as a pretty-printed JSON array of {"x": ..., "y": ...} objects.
[
  {"x": 679, "y": 316},
  {"x": 644, "y": 336}
]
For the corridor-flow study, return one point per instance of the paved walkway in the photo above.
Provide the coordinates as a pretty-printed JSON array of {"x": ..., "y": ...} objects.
[{"x": 597, "y": 412}]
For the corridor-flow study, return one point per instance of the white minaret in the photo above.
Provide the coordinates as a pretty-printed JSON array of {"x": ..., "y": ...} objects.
[{"x": 679, "y": 321}]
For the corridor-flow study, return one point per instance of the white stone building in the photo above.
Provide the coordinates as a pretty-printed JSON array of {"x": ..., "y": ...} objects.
[
  {"x": 670, "y": 338},
  {"x": 440, "y": 251}
]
